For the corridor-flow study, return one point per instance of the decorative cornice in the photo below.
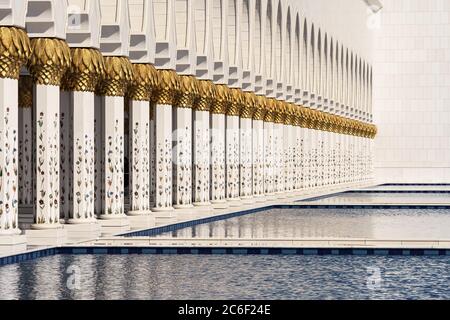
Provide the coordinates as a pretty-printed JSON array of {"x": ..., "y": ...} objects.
[{"x": 15, "y": 50}]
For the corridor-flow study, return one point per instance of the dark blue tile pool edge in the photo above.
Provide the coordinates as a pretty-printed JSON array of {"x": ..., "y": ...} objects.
[{"x": 219, "y": 251}]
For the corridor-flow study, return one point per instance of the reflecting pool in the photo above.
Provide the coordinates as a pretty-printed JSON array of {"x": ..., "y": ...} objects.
[
  {"x": 227, "y": 277},
  {"x": 395, "y": 224}
]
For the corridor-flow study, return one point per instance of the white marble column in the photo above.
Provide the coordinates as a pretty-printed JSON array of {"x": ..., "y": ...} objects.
[
  {"x": 246, "y": 149},
  {"x": 202, "y": 148},
  {"x": 182, "y": 143},
  {"x": 118, "y": 76},
  {"x": 47, "y": 73},
  {"x": 139, "y": 142},
  {"x": 258, "y": 149},
  {"x": 278, "y": 141},
  {"x": 25, "y": 141},
  {"x": 232, "y": 150},
  {"x": 218, "y": 163},
  {"x": 269, "y": 150},
  {"x": 164, "y": 98},
  {"x": 9, "y": 224}
]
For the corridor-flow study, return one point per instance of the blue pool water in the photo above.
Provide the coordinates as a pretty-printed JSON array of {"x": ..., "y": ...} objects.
[
  {"x": 392, "y": 224},
  {"x": 227, "y": 277}
]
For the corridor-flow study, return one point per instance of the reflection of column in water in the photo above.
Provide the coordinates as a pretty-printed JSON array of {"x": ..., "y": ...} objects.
[
  {"x": 218, "y": 231},
  {"x": 203, "y": 231},
  {"x": 9, "y": 282},
  {"x": 81, "y": 276},
  {"x": 114, "y": 278},
  {"x": 48, "y": 280}
]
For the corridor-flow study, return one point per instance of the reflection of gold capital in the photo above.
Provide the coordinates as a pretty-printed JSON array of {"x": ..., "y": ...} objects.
[
  {"x": 85, "y": 72},
  {"x": 49, "y": 60},
  {"x": 14, "y": 51},
  {"x": 118, "y": 76},
  {"x": 167, "y": 87},
  {"x": 206, "y": 95},
  {"x": 25, "y": 92},
  {"x": 187, "y": 93}
]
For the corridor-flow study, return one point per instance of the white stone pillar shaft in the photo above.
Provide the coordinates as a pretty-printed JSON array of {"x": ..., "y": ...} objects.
[
  {"x": 182, "y": 158},
  {"x": 201, "y": 159},
  {"x": 268, "y": 158},
  {"x": 258, "y": 158},
  {"x": 113, "y": 114},
  {"x": 83, "y": 153},
  {"x": 163, "y": 158},
  {"x": 139, "y": 125},
  {"x": 232, "y": 158},
  {"x": 245, "y": 132},
  {"x": 47, "y": 156},
  {"x": 9, "y": 223},
  {"x": 218, "y": 192}
]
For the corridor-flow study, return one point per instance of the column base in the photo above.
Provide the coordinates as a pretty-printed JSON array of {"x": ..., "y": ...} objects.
[
  {"x": 46, "y": 237},
  {"x": 167, "y": 209},
  {"x": 219, "y": 204},
  {"x": 202, "y": 205},
  {"x": 46, "y": 226},
  {"x": 270, "y": 196},
  {"x": 247, "y": 200},
  {"x": 259, "y": 198},
  {"x": 77, "y": 232},
  {"x": 12, "y": 244},
  {"x": 183, "y": 206},
  {"x": 280, "y": 195},
  {"x": 111, "y": 226},
  {"x": 139, "y": 213},
  {"x": 234, "y": 202}
]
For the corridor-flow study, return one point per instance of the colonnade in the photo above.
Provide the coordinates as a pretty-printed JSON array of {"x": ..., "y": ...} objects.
[{"x": 214, "y": 120}]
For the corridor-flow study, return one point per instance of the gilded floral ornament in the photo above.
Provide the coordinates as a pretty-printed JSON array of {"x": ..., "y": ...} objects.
[
  {"x": 236, "y": 102},
  {"x": 248, "y": 106},
  {"x": 260, "y": 108},
  {"x": 187, "y": 93},
  {"x": 49, "y": 60},
  {"x": 144, "y": 81},
  {"x": 85, "y": 72},
  {"x": 25, "y": 92},
  {"x": 167, "y": 88},
  {"x": 220, "y": 103},
  {"x": 118, "y": 76},
  {"x": 206, "y": 95},
  {"x": 270, "y": 110},
  {"x": 15, "y": 50}
]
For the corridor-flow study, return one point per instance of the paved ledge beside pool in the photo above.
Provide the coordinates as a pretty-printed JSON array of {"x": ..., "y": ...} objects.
[{"x": 270, "y": 243}]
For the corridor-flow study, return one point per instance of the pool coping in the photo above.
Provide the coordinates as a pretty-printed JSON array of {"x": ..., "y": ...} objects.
[{"x": 28, "y": 256}]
